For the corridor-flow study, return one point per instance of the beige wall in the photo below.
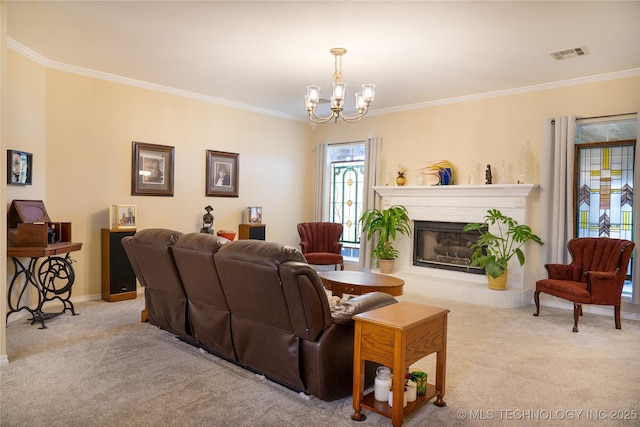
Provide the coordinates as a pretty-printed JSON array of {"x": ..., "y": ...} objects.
[{"x": 80, "y": 131}]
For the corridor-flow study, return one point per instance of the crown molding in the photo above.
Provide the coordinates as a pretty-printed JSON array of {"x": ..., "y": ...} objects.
[
  {"x": 45, "y": 62},
  {"x": 635, "y": 72}
]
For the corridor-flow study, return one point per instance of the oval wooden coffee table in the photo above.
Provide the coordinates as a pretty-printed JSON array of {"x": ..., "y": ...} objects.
[{"x": 359, "y": 282}]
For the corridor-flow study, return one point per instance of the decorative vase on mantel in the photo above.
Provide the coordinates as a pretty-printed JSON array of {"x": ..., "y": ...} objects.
[{"x": 401, "y": 180}]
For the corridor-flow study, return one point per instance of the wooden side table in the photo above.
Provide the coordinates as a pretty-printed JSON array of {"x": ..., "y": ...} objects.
[{"x": 397, "y": 336}]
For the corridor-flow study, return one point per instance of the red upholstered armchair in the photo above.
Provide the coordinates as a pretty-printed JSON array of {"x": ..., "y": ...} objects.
[
  {"x": 320, "y": 243},
  {"x": 595, "y": 276}
]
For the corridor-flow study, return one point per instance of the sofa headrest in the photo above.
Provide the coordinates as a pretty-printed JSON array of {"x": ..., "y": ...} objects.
[
  {"x": 201, "y": 242},
  {"x": 259, "y": 252},
  {"x": 158, "y": 237}
]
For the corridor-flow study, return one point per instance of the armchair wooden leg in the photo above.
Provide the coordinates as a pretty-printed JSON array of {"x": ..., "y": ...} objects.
[
  {"x": 536, "y": 299},
  {"x": 616, "y": 311},
  {"x": 577, "y": 312}
]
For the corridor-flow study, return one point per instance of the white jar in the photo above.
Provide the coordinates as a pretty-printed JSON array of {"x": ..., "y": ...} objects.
[
  {"x": 411, "y": 392},
  {"x": 404, "y": 400},
  {"x": 382, "y": 384}
]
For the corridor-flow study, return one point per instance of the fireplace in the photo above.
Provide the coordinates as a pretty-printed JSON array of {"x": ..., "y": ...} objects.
[
  {"x": 456, "y": 205},
  {"x": 444, "y": 245}
]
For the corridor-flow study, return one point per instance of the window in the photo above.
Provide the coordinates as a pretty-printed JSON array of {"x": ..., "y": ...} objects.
[
  {"x": 604, "y": 175},
  {"x": 346, "y": 191}
]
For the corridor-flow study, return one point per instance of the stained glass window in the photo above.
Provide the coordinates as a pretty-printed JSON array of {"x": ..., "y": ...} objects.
[
  {"x": 605, "y": 190},
  {"x": 605, "y": 156},
  {"x": 347, "y": 162}
]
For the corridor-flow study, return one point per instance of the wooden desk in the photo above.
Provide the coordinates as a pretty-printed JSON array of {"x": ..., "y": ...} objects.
[
  {"x": 397, "y": 336},
  {"x": 53, "y": 279},
  {"x": 341, "y": 282}
]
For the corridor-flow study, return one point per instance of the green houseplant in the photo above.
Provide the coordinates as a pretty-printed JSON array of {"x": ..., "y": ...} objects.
[
  {"x": 493, "y": 250},
  {"x": 387, "y": 224}
]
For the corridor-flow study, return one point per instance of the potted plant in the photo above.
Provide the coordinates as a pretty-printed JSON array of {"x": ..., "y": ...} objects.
[
  {"x": 497, "y": 246},
  {"x": 387, "y": 224}
]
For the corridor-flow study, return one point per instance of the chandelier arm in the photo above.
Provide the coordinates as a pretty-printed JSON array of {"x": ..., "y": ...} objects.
[
  {"x": 319, "y": 119},
  {"x": 354, "y": 119}
]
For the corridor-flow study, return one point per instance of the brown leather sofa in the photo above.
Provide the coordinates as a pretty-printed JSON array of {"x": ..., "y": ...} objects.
[{"x": 257, "y": 304}]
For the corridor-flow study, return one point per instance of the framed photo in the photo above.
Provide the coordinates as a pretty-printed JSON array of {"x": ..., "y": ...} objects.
[
  {"x": 152, "y": 169},
  {"x": 19, "y": 167},
  {"x": 123, "y": 216},
  {"x": 222, "y": 174},
  {"x": 253, "y": 215}
]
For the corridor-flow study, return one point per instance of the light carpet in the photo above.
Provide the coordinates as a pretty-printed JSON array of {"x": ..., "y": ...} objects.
[{"x": 504, "y": 366}]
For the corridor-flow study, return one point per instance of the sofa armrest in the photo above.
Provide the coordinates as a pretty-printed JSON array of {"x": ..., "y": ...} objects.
[{"x": 343, "y": 313}]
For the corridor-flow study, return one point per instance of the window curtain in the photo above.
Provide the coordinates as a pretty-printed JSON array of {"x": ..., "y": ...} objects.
[
  {"x": 636, "y": 209},
  {"x": 321, "y": 187},
  {"x": 556, "y": 189},
  {"x": 371, "y": 200}
]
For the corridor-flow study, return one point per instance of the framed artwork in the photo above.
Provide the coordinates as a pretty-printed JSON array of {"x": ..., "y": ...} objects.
[
  {"x": 19, "y": 167},
  {"x": 123, "y": 216},
  {"x": 152, "y": 169},
  {"x": 222, "y": 174},
  {"x": 254, "y": 215}
]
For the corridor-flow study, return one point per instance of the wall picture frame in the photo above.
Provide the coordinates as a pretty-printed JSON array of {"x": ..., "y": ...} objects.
[
  {"x": 19, "y": 167},
  {"x": 152, "y": 169},
  {"x": 222, "y": 174},
  {"x": 253, "y": 215},
  {"x": 123, "y": 217}
]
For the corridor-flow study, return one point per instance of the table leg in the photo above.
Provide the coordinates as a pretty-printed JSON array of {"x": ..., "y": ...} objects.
[
  {"x": 358, "y": 375},
  {"x": 397, "y": 384}
]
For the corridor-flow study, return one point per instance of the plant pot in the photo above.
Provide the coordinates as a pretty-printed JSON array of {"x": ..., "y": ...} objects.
[
  {"x": 499, "y": 283},
  {"x": 386, "y": 265}
]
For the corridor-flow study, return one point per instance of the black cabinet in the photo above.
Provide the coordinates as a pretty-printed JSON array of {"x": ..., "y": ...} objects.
[{"x": 118, "y": 278}]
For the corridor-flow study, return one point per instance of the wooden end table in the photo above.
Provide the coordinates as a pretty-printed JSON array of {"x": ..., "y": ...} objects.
[
  {"x": 397, "y": 336},
  {"x": 341, "y": 282}
]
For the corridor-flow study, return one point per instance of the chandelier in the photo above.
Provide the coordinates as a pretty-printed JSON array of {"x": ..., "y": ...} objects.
[{"x": 363, "y": 99}]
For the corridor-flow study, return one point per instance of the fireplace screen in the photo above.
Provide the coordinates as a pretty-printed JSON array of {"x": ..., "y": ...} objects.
[{"x": 444, "y": 245}]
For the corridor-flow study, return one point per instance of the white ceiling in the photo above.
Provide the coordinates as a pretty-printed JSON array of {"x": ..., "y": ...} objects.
[{"x": 261, "y": 55}]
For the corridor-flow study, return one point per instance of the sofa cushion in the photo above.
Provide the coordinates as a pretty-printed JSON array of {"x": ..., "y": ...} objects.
[{"x": 343, "y": 313}]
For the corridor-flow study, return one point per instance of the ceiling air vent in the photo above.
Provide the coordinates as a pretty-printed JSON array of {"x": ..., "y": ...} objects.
[{"x": 569, "y": 53}]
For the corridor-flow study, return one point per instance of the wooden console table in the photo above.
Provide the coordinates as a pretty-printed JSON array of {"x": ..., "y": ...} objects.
[
  {"x": 53, "y": 279},
  {"x": 397, "y": 336}
]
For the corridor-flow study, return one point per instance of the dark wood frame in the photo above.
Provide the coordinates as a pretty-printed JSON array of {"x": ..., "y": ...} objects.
[
  {"x": 230, "y": 190},
  {"x": 29, "y": 173},
  {"x": 139, "y": 187}
]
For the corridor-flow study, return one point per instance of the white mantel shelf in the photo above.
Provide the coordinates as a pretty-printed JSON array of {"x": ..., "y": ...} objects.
[
  {"x": 461, "y": 203},
  {"x": 489, "y": 190}
]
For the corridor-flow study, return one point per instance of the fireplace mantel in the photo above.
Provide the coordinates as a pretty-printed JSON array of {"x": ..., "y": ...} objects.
[{"x": 461, "y": 203}]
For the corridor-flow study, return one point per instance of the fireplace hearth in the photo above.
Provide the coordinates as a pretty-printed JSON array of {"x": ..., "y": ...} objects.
[{"x": 444, "y": 245}]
